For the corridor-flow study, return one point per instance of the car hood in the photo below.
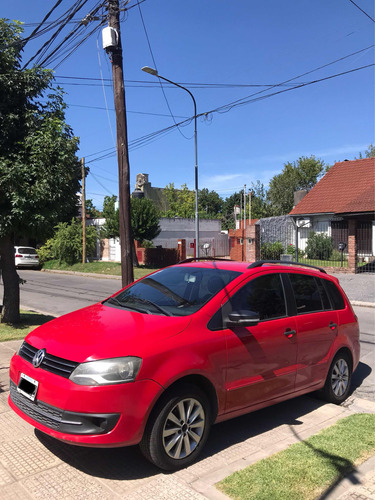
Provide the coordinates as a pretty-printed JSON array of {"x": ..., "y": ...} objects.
[{"x": 100, "y": 331}]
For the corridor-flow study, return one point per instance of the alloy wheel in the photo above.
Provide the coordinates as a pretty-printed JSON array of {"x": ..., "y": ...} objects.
[
  {"x": 183, "y": 428},
  {"x": 340, "y": 377}
]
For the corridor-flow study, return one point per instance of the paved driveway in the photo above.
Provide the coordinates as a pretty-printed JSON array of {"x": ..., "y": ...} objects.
[{"x": 35, "y": 466}]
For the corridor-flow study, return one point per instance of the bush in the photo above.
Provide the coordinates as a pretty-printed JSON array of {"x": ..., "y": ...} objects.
[
  {"x": 66, "y": 244},
  {"x": 336, "y": 255},
  {"x": 319, "y": 246},
  {"x": 271, "y": 251},
  {"x": 291, "y": 250}
]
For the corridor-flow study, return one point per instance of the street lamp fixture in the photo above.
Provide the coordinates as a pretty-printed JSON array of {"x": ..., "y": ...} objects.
[{"x": 154, "y": 72}]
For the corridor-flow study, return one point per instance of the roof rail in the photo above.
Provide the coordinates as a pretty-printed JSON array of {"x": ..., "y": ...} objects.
[
  {"x": 197, "y": 259},
  {"x": 259, "y": 263}
]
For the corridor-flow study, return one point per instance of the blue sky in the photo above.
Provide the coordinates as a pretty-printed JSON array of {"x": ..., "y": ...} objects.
[{"x": 236, "y": 42}]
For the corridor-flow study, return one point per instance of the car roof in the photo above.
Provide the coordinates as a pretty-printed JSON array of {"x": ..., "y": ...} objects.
[{"x": 254, "y": 267}]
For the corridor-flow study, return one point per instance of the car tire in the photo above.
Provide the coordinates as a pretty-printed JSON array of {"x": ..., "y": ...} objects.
[
  {"x": 177, "y": 429},
  {"x": 337, "y": 386}
]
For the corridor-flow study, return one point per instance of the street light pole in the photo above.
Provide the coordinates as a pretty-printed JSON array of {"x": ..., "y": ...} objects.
[{"x": 154, "y": 72}]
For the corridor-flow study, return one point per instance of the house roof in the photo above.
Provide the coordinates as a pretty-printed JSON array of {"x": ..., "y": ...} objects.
[{"x": 348, "y": 187}]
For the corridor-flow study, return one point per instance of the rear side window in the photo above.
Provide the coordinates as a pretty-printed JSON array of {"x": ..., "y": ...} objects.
[
  {"x": 335, "y": 295},
  {"x": 263, "y": 295},
  {"x": 306, "y": 293}
]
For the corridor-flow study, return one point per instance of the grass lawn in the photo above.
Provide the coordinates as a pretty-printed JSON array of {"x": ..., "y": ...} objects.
[
  {"x": 99, "y": 267},
  {"x": 29, "y": 321},
  {"x": 306, "y": 469}
]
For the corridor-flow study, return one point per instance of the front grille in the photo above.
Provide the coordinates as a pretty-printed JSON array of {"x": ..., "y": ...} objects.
[
  {"x": 38, "y": 411},
  {"x": 50, "y": 363}
]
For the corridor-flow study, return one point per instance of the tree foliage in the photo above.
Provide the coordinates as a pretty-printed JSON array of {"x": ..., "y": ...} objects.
[
  {"x": 369, "y": 153},
  {"x": 111, "y": 227},
  {"x": 39, "y": 170},
  {"x": 301, "y": 174},
  {"x": 181, "y": 202},
  {"x": 144, "y": 219},
  {"x": 66, "y": 244},
  {"x": 210, "y": 204}
]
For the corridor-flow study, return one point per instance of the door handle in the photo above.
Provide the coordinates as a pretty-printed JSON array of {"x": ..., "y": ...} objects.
[
  {"x": 333, "y": 326},
  {"x": 289, "y": 333}
]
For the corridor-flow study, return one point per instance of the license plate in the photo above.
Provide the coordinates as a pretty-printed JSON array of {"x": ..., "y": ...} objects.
[{"x": 27, "y": 386}]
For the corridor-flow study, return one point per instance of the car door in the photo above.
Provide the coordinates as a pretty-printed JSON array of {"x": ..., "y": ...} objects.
[
  {"x": 261, "y": 359},
  {"x": 317, "y": 326}
]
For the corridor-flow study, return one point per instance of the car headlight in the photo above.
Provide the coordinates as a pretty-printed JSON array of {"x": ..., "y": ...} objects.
[{"x": 107, "y": 371}]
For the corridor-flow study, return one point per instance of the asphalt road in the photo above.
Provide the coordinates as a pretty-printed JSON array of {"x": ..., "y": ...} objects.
[{"x": 58, "y": 294}]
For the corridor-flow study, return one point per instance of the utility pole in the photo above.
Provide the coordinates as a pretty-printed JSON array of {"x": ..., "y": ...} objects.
[
  {"x": 83, "y": 210},
  {"x": 126, "y": 239}
]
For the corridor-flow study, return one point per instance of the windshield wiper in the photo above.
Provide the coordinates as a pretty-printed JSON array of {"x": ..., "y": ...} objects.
[
  {"x": 113, "y": 300},
  {"x": 166, "y": 291},
  {"x": 148, "y": 302}
]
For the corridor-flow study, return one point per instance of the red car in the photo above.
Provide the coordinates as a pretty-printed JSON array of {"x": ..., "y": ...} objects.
[{"x": 185, "y": 347}]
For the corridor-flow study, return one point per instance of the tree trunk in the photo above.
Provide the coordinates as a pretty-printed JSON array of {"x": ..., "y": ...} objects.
[{"x": 11, "y": 297}]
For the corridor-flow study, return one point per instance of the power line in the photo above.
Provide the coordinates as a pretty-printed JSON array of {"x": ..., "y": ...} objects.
[
  {"x": 142, "y": 141},
  {"x": 365, "y": 13},
  {"x": 128, "y": 111},
  {"x": 155, "y": 65},
  {"x": 35, "y": 31}
]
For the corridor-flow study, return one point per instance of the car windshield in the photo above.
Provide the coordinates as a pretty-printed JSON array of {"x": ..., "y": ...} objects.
[{"x": 175, "y": 291}]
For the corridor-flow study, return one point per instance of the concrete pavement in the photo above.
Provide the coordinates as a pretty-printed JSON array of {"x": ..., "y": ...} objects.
[{"x": 35, "y": 466}]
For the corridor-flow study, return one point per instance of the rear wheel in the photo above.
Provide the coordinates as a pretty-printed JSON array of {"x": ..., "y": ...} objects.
[
  {"x": 177, "y": 429},
  {"x": 339, "y": 376}
]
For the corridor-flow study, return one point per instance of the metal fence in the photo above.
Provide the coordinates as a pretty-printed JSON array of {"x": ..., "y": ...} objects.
[{"x": 323, "y": 243}]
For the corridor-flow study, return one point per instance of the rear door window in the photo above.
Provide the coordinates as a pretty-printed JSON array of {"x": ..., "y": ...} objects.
[
  {"x": 335, "y": 295},
  {"x": 306, "y": 293}
]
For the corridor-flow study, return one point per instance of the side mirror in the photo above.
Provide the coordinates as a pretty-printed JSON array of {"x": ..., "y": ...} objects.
[{"x": 242, "y": 318}]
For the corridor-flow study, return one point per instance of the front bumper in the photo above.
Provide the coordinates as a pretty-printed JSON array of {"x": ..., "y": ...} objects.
[{"x": 103, "y": 416}]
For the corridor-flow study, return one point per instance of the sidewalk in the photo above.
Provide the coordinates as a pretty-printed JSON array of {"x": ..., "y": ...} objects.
[{"x": 33, "y": 466}]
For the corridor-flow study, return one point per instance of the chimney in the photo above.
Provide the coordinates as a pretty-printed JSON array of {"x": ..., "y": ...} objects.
[{"x": 299, "y": 195}]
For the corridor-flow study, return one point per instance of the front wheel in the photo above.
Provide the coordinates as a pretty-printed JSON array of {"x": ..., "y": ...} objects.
[
  {"x": 339, "y": 376},
  {"x": 177, "y": 429}
]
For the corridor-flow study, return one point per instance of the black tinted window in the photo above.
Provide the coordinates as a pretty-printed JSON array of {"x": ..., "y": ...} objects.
[
  {"x": 306, "y": 293},
  {"x": 335, "y": 295},
  {"x": 323, "y": 294},
  {"x": 263, "y": 295}
]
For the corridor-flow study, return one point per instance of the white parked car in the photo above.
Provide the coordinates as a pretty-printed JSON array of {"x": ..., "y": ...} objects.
[{"x": 26, "y": 257}]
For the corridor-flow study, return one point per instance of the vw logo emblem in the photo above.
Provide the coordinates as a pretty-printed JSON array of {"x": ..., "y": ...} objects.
[{"x": 38, "y": 358}]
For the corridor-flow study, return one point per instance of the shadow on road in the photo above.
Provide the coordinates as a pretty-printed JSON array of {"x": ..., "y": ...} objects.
[
  {"x": 129, "y": 464},
  {"x": 362, "y": 372}
]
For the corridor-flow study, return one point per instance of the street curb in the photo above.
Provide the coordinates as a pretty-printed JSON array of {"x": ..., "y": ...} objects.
[
  {"x": 362, "y": 304},
  {"x": 77, "y": 273}
]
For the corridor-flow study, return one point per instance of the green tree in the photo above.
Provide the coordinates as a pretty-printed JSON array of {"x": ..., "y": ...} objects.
[
  {"x": 39, "y": 170},
  {"x": 228, "y": 219},
  {"x": 260, "y": 205},
  {"x": 369, "y": 153},
  {"x": 66, "y": 244},
  {"x": 181, "y": 202},
  {"x": 111, "y": 227},
  {"x": 301, "y": 174},
  {"x": 144, "y": 219},
  {"x": 210, "y": 204},
  {"x": 91, "y": 210}
]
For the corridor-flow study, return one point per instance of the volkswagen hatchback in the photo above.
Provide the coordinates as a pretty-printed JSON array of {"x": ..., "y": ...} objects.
[{"x": 187, "y": 346}]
